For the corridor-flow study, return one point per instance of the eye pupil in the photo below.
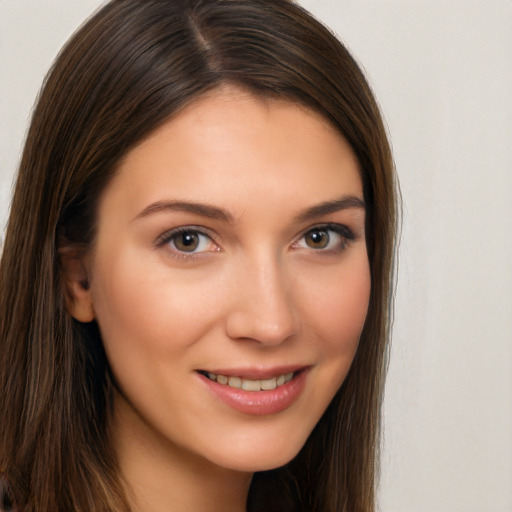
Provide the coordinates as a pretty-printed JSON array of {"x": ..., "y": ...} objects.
[
  {"x": 317, "y": 239},
  {"x": 187, "y": 241}
]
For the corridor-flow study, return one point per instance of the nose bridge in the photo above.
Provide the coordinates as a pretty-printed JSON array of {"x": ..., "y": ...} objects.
[{"x": 263, "y": 305}]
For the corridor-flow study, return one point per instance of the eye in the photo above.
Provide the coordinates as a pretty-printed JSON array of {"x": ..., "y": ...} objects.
[
  {"x": 188, "y": 240},
  {"x": 317, "y": 239},
  {"x": 327, "y": 238}
]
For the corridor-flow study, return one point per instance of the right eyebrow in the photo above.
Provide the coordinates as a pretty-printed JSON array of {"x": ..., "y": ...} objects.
[
  {"x": 201, "y": 209},
  {"x": 327, "y": 207}
]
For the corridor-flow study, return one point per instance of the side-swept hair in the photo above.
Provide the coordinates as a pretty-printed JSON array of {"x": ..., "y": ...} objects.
[{"x": 130, "y": 68}]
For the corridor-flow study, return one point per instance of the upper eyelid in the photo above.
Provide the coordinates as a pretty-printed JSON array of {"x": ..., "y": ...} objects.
[
  {"x": 329, "y": 226},
  {"x": 346, "y": 234},
  {"x": 167, "y": 235}
]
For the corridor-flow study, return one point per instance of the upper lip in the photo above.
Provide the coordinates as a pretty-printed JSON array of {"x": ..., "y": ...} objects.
[{"x": 256, "y": 373}]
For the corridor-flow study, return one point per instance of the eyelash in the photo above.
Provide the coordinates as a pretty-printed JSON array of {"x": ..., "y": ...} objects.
[
  {"x": 346, "y": 235},
  {"x": 341, "y": 230},
  {"x": 167, "y": 237}
]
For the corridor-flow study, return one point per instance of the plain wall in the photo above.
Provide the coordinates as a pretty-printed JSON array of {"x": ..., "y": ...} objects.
[{"x": 443, "y": 74}]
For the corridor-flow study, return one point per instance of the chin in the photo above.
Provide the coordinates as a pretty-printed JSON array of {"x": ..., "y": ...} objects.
[{"x": 251, "y": 457}]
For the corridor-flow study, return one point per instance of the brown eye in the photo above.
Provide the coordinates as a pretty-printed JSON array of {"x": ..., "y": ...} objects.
[
  {"x": 190, "y": 241},
  {"x": 327, "y": 238},
  {"x": 317, "y": 238},
  {"x": 187, "y": 241}
]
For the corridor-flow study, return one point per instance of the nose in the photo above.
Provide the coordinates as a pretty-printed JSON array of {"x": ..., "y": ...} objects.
[{"x": 262, "y": 305}]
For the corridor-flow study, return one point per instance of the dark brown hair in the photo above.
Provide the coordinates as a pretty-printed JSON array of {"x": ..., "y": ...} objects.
[{"x": 131, "y": 67}]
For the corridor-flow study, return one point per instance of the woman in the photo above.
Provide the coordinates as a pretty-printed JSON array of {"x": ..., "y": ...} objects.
[{"x": 196, "y": 277}]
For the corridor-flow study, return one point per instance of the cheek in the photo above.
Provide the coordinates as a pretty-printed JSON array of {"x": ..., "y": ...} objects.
[
  {"x": 135, "y": 308},
  {"x": 150, "y": 321},
  {"x": 338, "y": 309},
  {"x": 338, "y": 313},
  {"x": 147, "y": 305}
]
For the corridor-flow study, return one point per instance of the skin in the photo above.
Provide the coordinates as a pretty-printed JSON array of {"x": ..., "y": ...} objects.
[{"x": 260, "y": 290}]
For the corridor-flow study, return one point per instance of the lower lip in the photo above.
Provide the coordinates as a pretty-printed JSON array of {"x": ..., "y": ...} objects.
[{"x": 259, "y": 403}]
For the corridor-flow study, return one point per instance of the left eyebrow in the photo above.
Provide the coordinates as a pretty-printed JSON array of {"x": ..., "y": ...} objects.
[{"x": 328, "y": 207}]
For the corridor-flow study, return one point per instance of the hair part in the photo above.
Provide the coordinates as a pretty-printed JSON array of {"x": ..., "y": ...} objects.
[{"x": 130, "y": 68}]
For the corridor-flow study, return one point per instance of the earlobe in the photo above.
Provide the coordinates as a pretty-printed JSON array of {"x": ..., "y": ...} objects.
[{"x": 75, "y": 279}]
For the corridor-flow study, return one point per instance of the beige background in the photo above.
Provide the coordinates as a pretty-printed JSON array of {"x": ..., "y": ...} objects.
[{"x": 443, "y": 73}]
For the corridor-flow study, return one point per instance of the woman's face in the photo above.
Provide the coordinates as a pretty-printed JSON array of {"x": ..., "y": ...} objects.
[{"x": 230, "y": 258}]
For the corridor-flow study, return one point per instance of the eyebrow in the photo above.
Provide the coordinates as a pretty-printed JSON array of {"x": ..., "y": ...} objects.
[
  {"x": 201, "y": 209},
  {"x": 214, "y": 212},
  {"x": 344, "y": 203}
]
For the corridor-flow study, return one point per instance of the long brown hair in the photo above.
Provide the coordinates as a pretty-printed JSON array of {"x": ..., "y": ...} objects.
[{"x": 131, "y": 67}]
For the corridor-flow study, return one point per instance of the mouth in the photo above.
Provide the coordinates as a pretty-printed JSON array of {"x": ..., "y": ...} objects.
[
  {"x": 256, "y": 391},
  {"x": 238, "y": 382}
]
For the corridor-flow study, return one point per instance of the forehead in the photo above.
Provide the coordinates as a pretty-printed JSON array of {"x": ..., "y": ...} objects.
[{"x": 230, "y": 146}]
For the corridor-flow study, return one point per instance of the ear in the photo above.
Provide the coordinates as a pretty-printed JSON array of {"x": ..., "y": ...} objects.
[{"x": 77, "y": 292}]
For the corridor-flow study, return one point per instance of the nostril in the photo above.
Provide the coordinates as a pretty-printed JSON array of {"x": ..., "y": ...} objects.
[{"x": 244, "y": 326}]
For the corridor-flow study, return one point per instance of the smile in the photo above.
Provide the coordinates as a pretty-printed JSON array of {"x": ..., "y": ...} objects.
[
  {"x": 250, "y": 384},
  {"x": 276, "y": 389}
]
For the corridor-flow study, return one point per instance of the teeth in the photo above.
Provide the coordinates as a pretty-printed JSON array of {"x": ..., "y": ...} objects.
[
  {"x": 235, "y": 382},
  {"x": 251, "y": 385},
  {"x": 269, "y": 384},
  {"x": 222, "y": 379}
]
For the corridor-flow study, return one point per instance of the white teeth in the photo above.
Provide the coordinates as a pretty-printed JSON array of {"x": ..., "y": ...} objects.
[
  {"x": 251, "y": 385},
  {"x": 269, "y": 384},
  {"x": 235, "y": 382}
]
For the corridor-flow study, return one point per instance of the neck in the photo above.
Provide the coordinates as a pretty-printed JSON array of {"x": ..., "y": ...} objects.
[{"x": 163, "y": 477}]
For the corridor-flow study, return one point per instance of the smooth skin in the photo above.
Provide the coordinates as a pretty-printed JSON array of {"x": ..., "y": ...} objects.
[{"x": 232, "y": 237}]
